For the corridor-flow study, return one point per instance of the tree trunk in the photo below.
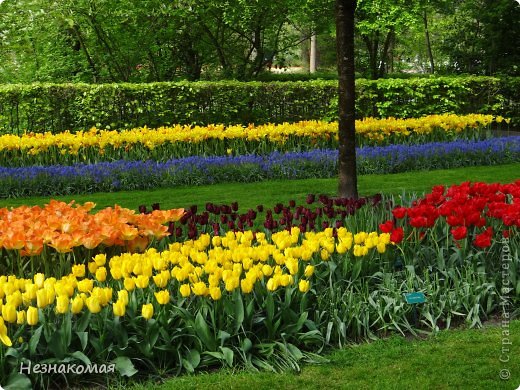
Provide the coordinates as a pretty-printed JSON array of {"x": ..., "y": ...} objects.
[
  {"x": 313, "y": 54},
  {"x": 346, "y": 98},
  {"x": 372, "y": 45},
  {"x": 428, "y": 42},
  {"x": 383, "y": 66}
]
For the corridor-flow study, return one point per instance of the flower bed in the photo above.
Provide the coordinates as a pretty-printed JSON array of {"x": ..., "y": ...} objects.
[
  {"x": 182, "y": 141},
  {"x": 266, "y": 297},
  {"x": 198, "y": 170}
]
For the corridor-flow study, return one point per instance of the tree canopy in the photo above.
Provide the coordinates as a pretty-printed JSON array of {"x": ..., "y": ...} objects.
[{"x": 150, "y": 40}]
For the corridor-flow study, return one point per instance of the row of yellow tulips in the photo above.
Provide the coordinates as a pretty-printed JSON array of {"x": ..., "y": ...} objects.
[
  {"x": 374, "y": 129},
  {"x": 205, "y": 267}
]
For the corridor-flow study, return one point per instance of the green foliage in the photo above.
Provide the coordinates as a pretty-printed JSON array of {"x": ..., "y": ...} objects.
[{"x": 59, "y": 107}]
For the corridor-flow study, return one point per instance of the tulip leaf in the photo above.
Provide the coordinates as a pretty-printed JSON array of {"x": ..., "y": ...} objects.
[
  {"x": 246, "y": 345},
  {"x": 239, "y": 311},
  {"x": 188, "y": 366},
  {"x": 35, "y": 339},
  {"x": 269, "y": 306},
  {"x": 250, "y": 309},
  {"x": 57, "y": 344},
  {"x": 204, "y": 333},
  {"x": 193, "y": 357},
  {"x": 83, "y": 339},
  {"x": 81, "y": 356},
  {"x": 66, "y": 328},
  {"x": 125, "y": 366},
  {"x": 228, "y": 355},
  {"x": 82, "y": 323},
  {"x": 294, "y": 351},
  {"x": 18, "y": 381}
]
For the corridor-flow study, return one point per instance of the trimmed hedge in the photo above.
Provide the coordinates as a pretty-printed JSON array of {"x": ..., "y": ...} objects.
[{"x": 59, "y": 107}]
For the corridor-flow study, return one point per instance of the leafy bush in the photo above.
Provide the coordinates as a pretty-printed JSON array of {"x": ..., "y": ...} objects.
[{"x": 59, "y": 107}]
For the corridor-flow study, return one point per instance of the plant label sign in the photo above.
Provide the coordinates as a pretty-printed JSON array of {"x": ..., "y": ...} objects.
[{"x": 415, "y": 297}]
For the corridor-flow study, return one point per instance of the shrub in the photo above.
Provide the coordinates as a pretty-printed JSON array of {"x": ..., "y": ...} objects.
[{"x": 58, "y": 107}]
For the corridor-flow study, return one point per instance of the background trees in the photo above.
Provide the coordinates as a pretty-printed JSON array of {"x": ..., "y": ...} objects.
[{"x": 150, "y": 40}]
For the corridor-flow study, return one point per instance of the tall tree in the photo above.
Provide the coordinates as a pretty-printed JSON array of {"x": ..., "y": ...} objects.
[{"x": 346, "y": 89}]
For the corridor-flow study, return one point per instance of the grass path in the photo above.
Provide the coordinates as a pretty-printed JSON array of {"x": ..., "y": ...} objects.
[
  {"x": 249, "y": 195},
  {"x": 454, "y": 359}
]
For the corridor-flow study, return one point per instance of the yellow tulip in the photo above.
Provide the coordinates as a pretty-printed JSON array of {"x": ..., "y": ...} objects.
[
  {"x": 161, "y": 279},
  {"x": 309, "y": 271},
  {"x": 147, "y": 311},
  {"x": 101, "y": 274},
  {"x": 215, "y": 293},
  {"x": 163, "y": 297},
  {"x": 92, "y": 267},
  {"x": 119, "y": 308},
  {"x": 85, "y": 285},
  {"x": 4, "y": 338},
  {"x": 304, "y": 285},
  {"x": 78, "y": 270},
  {"x": 246, "y": 286},
  {"x": 142, "y": 281},
  {"x": 185, "y": 290},
  {"x": 77, "y": 304},
  {"x": 100, "y": 259},
  {"x": 41, "y": 298},
  {"x": 62, "y": 304},
  {"x": 93, "y": 304},
  {"x": 20, "y": 317},
  {"x": 122, "y": 295},
  {"x": 200, "y": 288},
  {"x": 32, "y": 316},
  {"x": 39, "y": 279},
  {"x": 129, "y": 284}
]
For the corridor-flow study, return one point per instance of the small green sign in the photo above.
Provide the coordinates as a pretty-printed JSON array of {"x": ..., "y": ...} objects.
[{"x": 414, "y": 297}]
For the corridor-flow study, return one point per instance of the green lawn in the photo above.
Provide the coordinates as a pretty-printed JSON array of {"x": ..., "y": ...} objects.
[
  {"x": 249, "y": 195},
  {"x": 454, "y": 359}
]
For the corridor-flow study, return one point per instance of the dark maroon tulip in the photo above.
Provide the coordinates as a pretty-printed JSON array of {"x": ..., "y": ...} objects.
[
  {"x": 178, "y": 232},
  {"x": 171, "y": 228},
  {"x": 233, "y": 216},
  {"x": 339, "y": 224},
  {"x": 192, "y": 233},
  {"x": 310, "y": 199},
  {"x": 223, "y": 219},
  {"x": 325, "y": 224},
  {"x": 234, "y": 206},
  {"x": 209, "y": 207},
  {"x": 240, "y": 225},
  {"x": 142, "y": 209},
  {"x": 193, "y": 209},
  {"x": 260, "y": 208},
  {"x": 231, "y": 225},
  {"x": 250, "y": 223},
  {"x": 216, "y": 229},
  {"x": 292, "y": 203},
  {"x": 156, "y": 206}
]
